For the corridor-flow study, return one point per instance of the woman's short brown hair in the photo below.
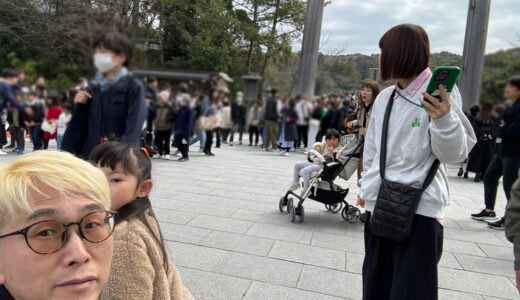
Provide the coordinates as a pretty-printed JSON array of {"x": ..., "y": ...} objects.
[{"x": 405, "y": 52}]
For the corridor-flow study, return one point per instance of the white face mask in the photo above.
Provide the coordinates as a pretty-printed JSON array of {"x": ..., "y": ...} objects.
[{"x": 103, "y": 62}]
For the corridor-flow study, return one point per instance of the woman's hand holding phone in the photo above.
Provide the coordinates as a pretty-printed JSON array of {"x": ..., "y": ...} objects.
[{"x": 437, "y": 109}]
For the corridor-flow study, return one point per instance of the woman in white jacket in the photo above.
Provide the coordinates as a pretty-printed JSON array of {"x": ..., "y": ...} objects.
[{"x": 416, "y": 138}]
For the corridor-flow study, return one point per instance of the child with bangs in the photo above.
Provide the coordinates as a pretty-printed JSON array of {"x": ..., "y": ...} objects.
[{"x": 141, "y": 268}]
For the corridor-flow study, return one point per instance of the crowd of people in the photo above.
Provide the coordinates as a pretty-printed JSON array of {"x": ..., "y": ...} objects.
[
  {"x": 497, "y": 151},
  {"x": 118, "y": 125}
]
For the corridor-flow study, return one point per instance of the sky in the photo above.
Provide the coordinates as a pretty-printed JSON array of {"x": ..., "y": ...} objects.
[{"x": 355, "y": 26}]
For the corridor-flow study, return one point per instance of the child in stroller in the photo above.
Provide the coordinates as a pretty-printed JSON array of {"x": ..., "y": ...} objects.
[
  {"x": 328, "y": 150},
  {"x": 318, "y": 180}
]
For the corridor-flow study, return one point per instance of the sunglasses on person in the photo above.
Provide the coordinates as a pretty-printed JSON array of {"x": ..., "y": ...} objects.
[{"x": 49, "y": 236}]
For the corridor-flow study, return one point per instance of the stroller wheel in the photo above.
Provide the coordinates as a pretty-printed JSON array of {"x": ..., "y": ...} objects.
[
  {"x": 282, "y": 204},
  {"x": 301, "y": 215},
  {"x": 334, "y": 208},
  {"x": 292, "y": 211},
  {"x": 289, "y": 205},
  {"x": 297, "y": 215},
  {"x": 363, "y": 217},
  {"x": 351, "y": 214}
]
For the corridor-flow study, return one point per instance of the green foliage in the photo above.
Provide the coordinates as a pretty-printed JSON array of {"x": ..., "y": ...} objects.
[
  {"x": 498, "y": 67},
  {"x": 29, "y": 66}
]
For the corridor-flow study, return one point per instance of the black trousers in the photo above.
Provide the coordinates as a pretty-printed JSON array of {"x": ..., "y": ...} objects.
[
  {"x": 510, "y": 165},
  {"x": 302, "y": 136},
  {"x": 218, "y": 132},
  {"x": 403, "y": 270},
  {"x": 162, "y": 141},
  {"x": 253, "y": 130},
  {"x": 209, "y": 141},
  {"x": 491, "y": 178},
  {"x": 237, "y": 128}
]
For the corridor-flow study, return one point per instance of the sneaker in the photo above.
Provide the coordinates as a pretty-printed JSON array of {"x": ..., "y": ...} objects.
[
  {"x": 177, "y": 153},
  {"x": 201, "y": 150},
  {"x": 499, "y": 225},
  {"x": 286, "y": 153},
  {"x": 209, "y": 154},
  {"x": 466, "y": 175},
  {"x": 9, "y": 147},
  {"x": 485, "y": 216},
  {"x": 461, "y": 172},
  {"x": 21, "y": 150},
  {"x": 250, "y": 144},
  {"x": 2, "y": 152},
  {"x": 294, "y": 186},
  {"x": 281, "y": 153},
  {"x": 231, "y": 143},
  {"x": 183, "y": 159},
  {"x": 166, "y": 156}
]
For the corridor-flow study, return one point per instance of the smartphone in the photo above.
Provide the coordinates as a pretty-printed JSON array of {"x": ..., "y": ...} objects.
[{"x": 445, "y": 75}]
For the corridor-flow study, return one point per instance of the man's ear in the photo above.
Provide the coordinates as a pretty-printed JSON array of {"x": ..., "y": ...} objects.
[{"x": 144, "y": 188}]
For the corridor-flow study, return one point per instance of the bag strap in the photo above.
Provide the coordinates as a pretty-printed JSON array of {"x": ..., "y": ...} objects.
[{"x": 384, "y": 137}]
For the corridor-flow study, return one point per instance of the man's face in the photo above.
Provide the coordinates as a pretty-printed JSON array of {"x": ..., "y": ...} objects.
[
  {"x": 79, "y": 270},
  {"x": 511, "y": 92},
  {"x": 154, "y": 85}
]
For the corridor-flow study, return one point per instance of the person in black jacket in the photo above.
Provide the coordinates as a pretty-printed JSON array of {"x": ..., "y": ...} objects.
[
  {"x": 152, "y": 89},
  {"x": 238, "y": 116},
  {"x": 494, "y": 170},
  {"x": 113, "y": 107},
  {"x": 510, "y": 135},
  {"x": 288, "y": 132},
  {"x": 271, "y": 121},
  {"x": 481, "y": 154}
]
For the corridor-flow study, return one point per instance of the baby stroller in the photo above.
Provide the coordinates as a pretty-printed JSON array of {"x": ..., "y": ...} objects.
[{"x": 322, "y": 188}]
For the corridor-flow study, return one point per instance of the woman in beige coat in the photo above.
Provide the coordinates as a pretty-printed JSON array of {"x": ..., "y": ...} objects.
[{"x": 140, "y": 268}]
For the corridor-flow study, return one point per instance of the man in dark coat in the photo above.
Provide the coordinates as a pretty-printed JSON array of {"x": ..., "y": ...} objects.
[
  {"x": 152, "y": 89},
  {"x": 271, "y": 121},
  {"x": 183, "y": 125},
  {"x": 238, "y": 116},
  {"x": 510, "y": 135}
]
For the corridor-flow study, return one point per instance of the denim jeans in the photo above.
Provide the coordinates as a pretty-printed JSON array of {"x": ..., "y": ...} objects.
[
  {"x": 200, "y": 135},
  {"x": 37, "y": 136}
]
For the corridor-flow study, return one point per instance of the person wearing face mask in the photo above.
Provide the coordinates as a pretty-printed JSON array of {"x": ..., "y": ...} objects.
[
  {"x": 238, "y": 116},
  {"x": 113, "y": 106}
]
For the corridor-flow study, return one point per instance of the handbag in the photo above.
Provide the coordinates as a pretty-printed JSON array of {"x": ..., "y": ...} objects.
[
  {"x": 396, "y": 203},
  {"x": 49, "y": 127},
  {"x": 207, "y": 123}
]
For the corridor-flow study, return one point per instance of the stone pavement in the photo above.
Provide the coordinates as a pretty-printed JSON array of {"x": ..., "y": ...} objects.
[{"x": 221, "y": 221}]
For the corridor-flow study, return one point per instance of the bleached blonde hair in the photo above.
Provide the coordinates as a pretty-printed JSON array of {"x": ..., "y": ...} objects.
[{"x": 48, "y": 174}]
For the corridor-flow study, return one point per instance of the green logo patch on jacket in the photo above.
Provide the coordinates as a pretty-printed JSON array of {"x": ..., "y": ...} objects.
[{"x": 416, "y": 123}]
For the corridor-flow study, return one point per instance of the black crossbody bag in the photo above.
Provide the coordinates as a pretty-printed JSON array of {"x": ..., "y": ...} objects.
[{"x": 396, "y": 203}]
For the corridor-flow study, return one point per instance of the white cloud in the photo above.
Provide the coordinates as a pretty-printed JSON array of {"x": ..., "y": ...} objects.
[{"x": 359, "y": 24}]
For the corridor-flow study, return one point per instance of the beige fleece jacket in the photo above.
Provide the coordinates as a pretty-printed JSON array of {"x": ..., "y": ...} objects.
[{"x": 137, "y": 270}]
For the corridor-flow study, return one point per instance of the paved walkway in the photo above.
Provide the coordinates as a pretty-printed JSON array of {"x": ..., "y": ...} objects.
[{"x": 221, "y": 220}]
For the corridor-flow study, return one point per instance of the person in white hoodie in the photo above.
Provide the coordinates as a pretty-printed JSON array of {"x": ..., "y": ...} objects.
[{"x": 417, "y": 137}]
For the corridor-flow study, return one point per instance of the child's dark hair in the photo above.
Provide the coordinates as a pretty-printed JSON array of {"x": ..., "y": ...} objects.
[
  {"x": 53, "y": 98},
  {"x": 331, "y": 133},
  {"x": 67, "y": 106},
  {"x": 135, "y": 161},
  {"x": 148, "y": 96}
]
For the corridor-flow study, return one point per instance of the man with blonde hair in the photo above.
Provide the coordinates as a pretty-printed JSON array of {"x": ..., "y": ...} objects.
[{"x": 55, "y": 228}]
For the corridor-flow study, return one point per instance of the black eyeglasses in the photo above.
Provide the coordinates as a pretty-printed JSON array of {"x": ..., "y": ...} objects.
[{"x": 49, "y": 236}]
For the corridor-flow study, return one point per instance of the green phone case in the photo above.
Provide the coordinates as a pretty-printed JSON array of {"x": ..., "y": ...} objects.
[{"x": 448, "y": 82}]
